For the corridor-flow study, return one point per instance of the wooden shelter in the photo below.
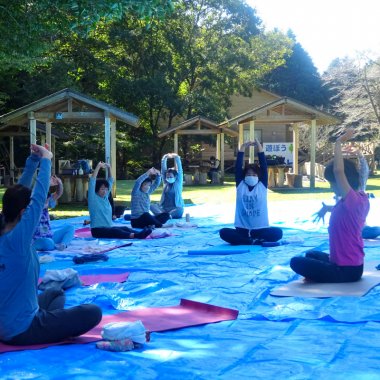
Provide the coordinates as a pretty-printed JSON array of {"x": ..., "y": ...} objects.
[
  {"x": 288, "y": 113},
  {"x": 273, "y": 115},
  {"x": 65, "y": 106},
  {"x": 201, "y": 126}
]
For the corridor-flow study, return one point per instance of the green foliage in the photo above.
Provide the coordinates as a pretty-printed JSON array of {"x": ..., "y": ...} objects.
[
  {"x": 298, "y": 78},
  {"x": 28, "y": 28}
]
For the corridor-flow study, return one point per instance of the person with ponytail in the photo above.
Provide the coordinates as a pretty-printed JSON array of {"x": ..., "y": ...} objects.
[
  {"x": 251, "y": 212},
  {"x": 27, "y": 317}
]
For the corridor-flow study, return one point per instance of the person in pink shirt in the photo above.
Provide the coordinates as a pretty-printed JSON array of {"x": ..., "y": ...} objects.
[{"x": 348, "y": 216}]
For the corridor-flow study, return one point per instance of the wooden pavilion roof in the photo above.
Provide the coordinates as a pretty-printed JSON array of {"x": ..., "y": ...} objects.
[
  {"x": 66, "y": 106},
  {"x": 197, "y": 125},
  {"x": 284, "y": 110}
]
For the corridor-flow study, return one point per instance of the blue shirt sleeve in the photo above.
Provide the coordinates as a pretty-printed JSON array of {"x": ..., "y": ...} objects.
[
  {"x": 31, "y": 166},
  {"x": 263, "y": 169},
  {"x": 25, "y": 228},
  {"x": 239, "y": 173}
]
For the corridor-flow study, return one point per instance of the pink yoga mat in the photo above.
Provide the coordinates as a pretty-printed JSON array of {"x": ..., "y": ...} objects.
[
  {"x": 187, "y": 313},
  {"x": 84, "y": 232},
  {"x": 90, "y": 279}
]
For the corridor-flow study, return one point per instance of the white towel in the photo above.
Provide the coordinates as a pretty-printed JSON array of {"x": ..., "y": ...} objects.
[
  {"x": 134, "y": 331},
  {"x": 59, "y": 274}
]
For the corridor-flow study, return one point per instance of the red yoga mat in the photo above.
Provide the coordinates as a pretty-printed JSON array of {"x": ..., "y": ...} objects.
[{"x": 187, "y": 313}]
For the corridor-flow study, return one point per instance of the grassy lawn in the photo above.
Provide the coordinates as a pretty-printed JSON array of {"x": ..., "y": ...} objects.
[{"x": 212, "y": 194}]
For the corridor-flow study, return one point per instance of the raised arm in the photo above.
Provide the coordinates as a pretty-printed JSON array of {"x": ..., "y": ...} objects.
[
  {"x": 57, "y": 194},
  {"x": 164, "y": 164},
  {"x": 31, "y": 166},
  {"x": 338, "y": 165},
  {"x": 25, "y": 229},
  {"x": 108, "y": 170},
  {"x": 100, "y": 165},
  {"x": 140, "y": 180},
  {"x": 157, "y": 180}
]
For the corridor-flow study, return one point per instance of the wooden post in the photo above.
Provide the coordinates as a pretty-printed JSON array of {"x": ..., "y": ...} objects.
[
  {"x": 107, "y": 137},
  {"x": 12, "y": 159},
  {"x": 32, "y": 128},
  {"x": 295, "y": 148},
  {"x": 113, "y": 155},
  {"x": 313, "y": 144},
  {"x": 176, "y": 143},
  {"x": 241, "y": 135},
  {"x": 222, "y": 154},
  {"x": 48, "y": 133},
  {"x": 52, "y": 148},
  {"x": 251, "y": 138}
]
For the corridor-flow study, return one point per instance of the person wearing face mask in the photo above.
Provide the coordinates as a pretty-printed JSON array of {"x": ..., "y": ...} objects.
[
  {"x": 144, "y": 186},
  {"x": 251, "y": 213},
  {"x": 100, "y": 209},
  {"x": 171, "y": 199}
]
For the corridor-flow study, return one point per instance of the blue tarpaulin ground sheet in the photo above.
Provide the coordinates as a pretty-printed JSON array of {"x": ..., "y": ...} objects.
[{"x": 273, "y": 337}]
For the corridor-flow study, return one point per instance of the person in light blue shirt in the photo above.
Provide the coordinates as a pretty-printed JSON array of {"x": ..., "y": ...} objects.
[
  {"x": 25, "y": 316},
  {"x": 144, "y": 186},
  {"x": 45, "y": 239},
  {"x": 171, "y": 198},
  {"x": 100, "y": 209}
]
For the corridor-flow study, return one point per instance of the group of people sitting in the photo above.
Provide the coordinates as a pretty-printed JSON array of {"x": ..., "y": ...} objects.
[{"x": 27, "y": 317}]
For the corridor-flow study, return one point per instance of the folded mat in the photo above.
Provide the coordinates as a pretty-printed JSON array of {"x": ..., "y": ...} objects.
[
  {"x": 300, "y": 288},
  {"x": 187, "y": 313}
]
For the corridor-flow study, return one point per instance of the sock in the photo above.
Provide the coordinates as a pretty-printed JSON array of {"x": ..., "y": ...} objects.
[{"x": 143, "y": 234}]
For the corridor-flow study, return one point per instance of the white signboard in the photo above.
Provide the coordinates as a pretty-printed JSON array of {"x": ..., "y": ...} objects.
[{"x": 280, "y": 150}]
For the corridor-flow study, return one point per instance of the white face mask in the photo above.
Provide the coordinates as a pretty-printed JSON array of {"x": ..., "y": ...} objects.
[
  {"x": 170, "y": 180},
  {"x": 251, "y": 180}
]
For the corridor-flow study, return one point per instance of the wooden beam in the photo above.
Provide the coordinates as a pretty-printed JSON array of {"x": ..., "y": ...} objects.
[
  {"x": 62, "y": 116},
  {"x": 196, "y": 132}
]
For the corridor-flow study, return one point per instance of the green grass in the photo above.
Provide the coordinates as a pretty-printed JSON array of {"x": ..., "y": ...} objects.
[{"x": 214, "y": 194}]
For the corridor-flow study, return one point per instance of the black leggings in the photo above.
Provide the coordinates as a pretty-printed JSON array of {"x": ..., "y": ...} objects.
[
  {"x": 242, "y": 236},
  {"x": 316, "y": 266},
  {"x": 53, "y": 323},
  {"x": 112, "y": 232},
  {"x": 147, "y": 219}
]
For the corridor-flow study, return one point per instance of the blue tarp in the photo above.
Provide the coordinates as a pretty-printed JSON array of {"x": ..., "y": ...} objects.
[{"x": 273, "y": 337}]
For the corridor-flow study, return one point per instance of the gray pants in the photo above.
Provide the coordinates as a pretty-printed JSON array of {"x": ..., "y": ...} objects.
[
  {"x": 53, "y": 323},
  {"x": 175, "y": 213}
]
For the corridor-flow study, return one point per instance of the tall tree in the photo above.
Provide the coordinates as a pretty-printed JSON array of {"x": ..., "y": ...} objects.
[
  {"x": 29, "y": 27},
  {"x": 298, "y": 78},
  {"x": 191, "y": 64},
  {"x": 354, "y": 90}
]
